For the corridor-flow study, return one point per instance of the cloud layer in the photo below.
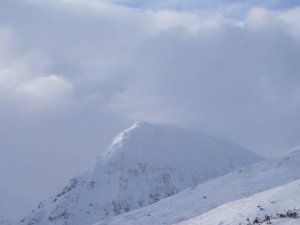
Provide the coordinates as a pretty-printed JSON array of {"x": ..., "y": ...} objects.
[{"x": 75, "y": 72}]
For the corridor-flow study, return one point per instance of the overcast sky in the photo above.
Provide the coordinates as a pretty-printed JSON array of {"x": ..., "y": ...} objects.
[{"x": 73, "y": 73}]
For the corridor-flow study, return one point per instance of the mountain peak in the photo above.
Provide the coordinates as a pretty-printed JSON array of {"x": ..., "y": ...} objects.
[
  {"x": 145, "y": 163},
  {"x": 137, "y": 129},
  {"x": 141, "y": 123}
]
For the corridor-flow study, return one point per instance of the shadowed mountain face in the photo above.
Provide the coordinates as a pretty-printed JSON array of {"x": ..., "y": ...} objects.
[{"x": 144, "y": 164}]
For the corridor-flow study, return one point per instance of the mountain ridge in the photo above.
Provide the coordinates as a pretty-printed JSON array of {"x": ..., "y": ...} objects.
[
  {"x": 206, "y": 196},
  {"x": 144, "y": 164},
  {"x": 279, "y": 205}
]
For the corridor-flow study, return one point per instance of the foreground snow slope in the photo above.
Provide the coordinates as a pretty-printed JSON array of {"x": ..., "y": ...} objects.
[
  {"x": 144, "y": 164},
  {"x": 271, "y": 202},
  {"x": 206, "y": 196}
]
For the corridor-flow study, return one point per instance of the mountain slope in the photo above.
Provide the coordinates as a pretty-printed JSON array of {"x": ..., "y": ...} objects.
[
  {"x": 144, "y": 164},
  {"x": 266, "y": 206},
  {"x": 210, "y": 194}
]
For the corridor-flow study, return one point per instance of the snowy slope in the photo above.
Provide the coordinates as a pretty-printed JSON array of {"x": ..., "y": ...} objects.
[
  {"x": 296, "y": 148},
  {"x": 272, "y": 202},
  {"x": 144, "y": 164},
  {"x": 208, "y": 195}
]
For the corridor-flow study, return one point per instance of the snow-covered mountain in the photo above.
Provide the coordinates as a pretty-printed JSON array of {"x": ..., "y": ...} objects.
[
  {"x": 206, "y": 196},
  {"x": 280, "y": 205},
  {"x": 143, "y": 165}
]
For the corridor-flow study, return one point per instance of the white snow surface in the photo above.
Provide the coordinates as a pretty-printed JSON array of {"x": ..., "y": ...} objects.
[
  {"x": 272, "y": 202},
  {"x": 206, "y": 196},
  {"x": 143, "y": 165}
]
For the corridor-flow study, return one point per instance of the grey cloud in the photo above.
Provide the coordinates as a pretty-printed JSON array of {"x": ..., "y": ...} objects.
[
  {"x": 88, "y": 69},
  {"x": 227, "y": 77},
  {"x": 230, "y": 8}
]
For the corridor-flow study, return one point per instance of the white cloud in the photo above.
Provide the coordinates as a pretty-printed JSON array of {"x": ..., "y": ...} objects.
[{"x": 45, "y": 91}]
